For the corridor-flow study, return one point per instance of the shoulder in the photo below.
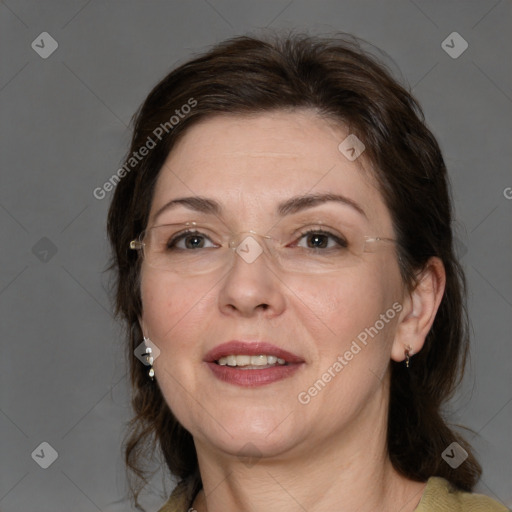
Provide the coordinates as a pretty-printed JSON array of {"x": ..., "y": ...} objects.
[
  {"x": 178, "y": 501},
  {"x": 441, "y": 496}
]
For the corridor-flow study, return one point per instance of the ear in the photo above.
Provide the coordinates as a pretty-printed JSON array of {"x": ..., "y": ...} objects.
[{"x": 419, "y": 310}]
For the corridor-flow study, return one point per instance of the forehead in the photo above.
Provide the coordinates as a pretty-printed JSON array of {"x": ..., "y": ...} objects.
[{"x": 251, "y": 163}]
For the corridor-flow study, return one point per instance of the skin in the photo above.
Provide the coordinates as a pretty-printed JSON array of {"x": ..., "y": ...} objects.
[{"x": 260, "y": 449}]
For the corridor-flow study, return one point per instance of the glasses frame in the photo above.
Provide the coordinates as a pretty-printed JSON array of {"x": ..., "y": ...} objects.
[{"x": 235, "y": 239}]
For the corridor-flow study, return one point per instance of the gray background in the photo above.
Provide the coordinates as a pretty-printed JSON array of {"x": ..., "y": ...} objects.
[{"x": 64, "y": 131}]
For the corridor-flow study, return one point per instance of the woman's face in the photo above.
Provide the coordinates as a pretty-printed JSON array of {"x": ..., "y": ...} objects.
[{"x": 338, "y": 321}]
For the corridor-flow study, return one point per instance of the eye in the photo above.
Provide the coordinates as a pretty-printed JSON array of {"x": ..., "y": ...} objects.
[
  {"x": 189, "y": 240},
  {"x": 321, "y": 239}
]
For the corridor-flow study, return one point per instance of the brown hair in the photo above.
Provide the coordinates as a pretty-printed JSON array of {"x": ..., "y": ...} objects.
[{"x": 344, "y": 83}]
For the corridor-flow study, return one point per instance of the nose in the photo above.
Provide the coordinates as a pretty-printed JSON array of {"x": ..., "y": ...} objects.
[{"x": 252, "y": 285}]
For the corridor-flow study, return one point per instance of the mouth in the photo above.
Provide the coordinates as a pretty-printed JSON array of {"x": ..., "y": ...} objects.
[
  {"x": 247, "y": 362},
  {"x": 251, "y": 364}
]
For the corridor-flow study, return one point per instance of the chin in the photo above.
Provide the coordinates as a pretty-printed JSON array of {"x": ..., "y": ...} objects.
[{"x": 255, "y": 433}]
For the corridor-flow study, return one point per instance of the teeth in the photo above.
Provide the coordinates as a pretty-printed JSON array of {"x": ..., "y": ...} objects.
[
  {"x": 258, "y": 360},
  {"x": 245, "y": 360}
]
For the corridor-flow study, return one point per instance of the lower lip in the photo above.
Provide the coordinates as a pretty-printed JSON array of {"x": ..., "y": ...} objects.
[{"x": 252, "y": 378}]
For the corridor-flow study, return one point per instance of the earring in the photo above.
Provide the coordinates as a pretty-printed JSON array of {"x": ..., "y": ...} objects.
[
  {"x": 149, "y": 359},
  {"x": 408, "y": 354}
]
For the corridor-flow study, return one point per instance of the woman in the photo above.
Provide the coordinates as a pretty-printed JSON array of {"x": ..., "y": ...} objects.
[{"x": 283, "y": 247}]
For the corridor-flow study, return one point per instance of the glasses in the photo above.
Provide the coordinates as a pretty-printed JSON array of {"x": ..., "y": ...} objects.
[{"x": 192, "y": 248}]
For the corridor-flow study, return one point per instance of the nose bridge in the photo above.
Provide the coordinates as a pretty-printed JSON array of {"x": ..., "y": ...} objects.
[
  {"x": 250, "y": 245},
  {"x": 250, "y": 285}
]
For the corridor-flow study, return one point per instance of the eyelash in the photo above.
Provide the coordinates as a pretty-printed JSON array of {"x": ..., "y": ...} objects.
[
  {"x": 341, "y": 242},
  {"x": 181, "y": 236}
]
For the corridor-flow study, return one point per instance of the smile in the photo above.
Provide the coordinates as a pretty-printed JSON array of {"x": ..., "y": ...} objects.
[{"x": 248, "y": 362}]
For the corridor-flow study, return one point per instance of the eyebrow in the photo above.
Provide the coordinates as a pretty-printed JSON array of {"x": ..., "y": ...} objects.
[{"x": 292, "y": 205}]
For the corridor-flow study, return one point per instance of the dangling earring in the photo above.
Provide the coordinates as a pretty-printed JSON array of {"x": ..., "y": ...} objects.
[
  {"x": 408, "y": 354},
  {"x": 149, "y": 359}
]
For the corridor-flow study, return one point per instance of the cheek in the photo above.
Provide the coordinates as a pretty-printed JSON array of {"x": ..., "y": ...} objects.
[
  {"x": 159, "y": 308},
  {"x": 167, "y": 303},
  {"x": 339, "y": 307},
  {"x": 172, "y": 318},
  {"x": 351, "y": 321}
]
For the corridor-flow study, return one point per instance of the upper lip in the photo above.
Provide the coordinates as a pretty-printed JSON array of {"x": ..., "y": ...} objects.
[{"x": 253, "y": 348}]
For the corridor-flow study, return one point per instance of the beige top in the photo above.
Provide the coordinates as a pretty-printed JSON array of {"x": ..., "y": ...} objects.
[{"x": 439, "y": 496}]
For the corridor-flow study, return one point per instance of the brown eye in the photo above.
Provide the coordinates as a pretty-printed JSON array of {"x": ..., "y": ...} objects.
[
  {"x": 320, "y": 239},
  {"x": 189, "y": 240}
]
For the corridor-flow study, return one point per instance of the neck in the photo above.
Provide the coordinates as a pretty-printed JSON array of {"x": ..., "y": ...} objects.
[{"x": 348, "y": 471}]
